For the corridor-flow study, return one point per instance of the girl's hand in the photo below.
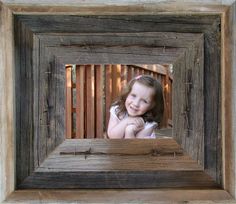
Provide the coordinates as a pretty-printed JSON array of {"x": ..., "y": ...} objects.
[
  {"x": 137, "y": 121},
  {"x": 134, "y": 126}
]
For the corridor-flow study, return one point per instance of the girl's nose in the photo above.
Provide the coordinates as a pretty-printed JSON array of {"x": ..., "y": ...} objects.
[{"x": 136, "y": 102}]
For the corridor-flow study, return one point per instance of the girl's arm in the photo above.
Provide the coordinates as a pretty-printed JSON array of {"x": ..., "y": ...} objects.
[
  {"x": 131, "y": 131},
  {"x": 144, "y": 133},
  {"x": 116, "y": 128}
]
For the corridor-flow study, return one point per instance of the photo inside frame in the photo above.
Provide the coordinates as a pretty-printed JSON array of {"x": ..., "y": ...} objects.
[{"x": 91, "y": 90}]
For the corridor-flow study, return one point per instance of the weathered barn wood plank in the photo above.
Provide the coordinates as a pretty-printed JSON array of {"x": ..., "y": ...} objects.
[
  {"x": 50, "y": 77},
  {"x": 7, "y": 100},
  {"x": 229, "y": 93},
  {"x": 116, "y": 164},
  {"x": 117, "y": 55},
  {"x": 24, "y": 109},
  {"x": 186, "y": 23},
  {"x": 192, "y": 196},
  {"x": 59, "y": 103},
  {"x": 38, "y": 95},
  {"x": 119, "y": 179},
  {"x": 212, "y": 101},
  {"x": 152, "y": 39},
  {"x": 188, "y": 101}
]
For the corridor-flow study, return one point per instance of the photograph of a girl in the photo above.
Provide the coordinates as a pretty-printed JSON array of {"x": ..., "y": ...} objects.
[{"x": 138, "y": 110}]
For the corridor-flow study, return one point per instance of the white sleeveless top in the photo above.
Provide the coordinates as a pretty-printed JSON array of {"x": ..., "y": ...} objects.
[{"x": 146, "y": 125}]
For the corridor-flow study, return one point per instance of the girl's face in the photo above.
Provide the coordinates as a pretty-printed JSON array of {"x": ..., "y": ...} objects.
[{"x": 139, "y": 100}]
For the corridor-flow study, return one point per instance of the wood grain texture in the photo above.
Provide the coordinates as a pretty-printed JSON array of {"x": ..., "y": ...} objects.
[
  {"x": 229, "y": 93},
  {"x": 36, "y": 8},
  {"x": 99, "y": 100},
  {"x": 209, "y": 100},
  {"x": 7, "y": 120},
  {"x": 121, "y": 2},
  {"x": 117, "y": 164},
  {"x": 24, "y": 95},
  {"x": 117, "y": 23},
  {"x": 192, "y": 196},
  {"x": 108, "y": 88},
  {"x": 69, "y": 104},
  {"x": 188, "y": 101},
  {"x": 90, "y": 102},
  {"x": 120, "y": 40},
  {"x": 59, "y": 102},
  {"x": 89, "y": 52},
  {"x": 80, "y": 111}
]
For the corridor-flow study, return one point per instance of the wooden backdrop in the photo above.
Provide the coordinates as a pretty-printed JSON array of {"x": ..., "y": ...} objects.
[{"x": 90, "y": 90}]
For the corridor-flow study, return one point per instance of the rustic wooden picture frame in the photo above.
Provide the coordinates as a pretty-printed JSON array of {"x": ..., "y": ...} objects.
[
  {"x": 222, "y": 13},
  {"x": 40, "y": 52}
]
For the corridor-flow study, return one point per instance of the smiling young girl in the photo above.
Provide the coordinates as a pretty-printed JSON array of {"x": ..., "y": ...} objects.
[{"x": 138, "y": 110}]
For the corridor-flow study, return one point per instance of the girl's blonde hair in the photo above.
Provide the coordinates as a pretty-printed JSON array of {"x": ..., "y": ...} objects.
[{"x": 156, "y": 113}]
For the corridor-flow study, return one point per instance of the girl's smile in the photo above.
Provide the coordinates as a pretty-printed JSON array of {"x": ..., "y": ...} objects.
[{"x": 139, "y": 100}]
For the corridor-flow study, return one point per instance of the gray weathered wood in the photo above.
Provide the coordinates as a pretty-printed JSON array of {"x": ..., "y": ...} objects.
[
  {"x": 7, "y": 120},
  {"x": 193, "y": 196},
  {"x": 116, "y": 164},
  {"x": 152, "y": 23},
  {"x": 188, "y": 101},
  {"x": 24, "y": 95},
  {"x": 117, "y": 23},
  {"x": 96, "y": 196}
]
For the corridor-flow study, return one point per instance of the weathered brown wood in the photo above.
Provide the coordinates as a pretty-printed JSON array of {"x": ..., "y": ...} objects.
[
  {"x": 163, "y": 145},
  {"x": 99, "y": 119},
  {"x": 193, "y": 196},
  {"x": 80, "y": 110},
  {"x": 69, "y": 102},
  {"x": 229, "y": 93},
  {"x": 7, "y": 99},
  {"x": 130, "y": 73},
  {"x": 212, "y": 79},
  {"x": 26, "y": 8},
  {"x": 90, "y": 102},
  {"x": 151, "y": 23},
  {"x": 156, "y": 68},
  {"x": 114, "y": 179},
  {"x": 188, "y": 118},
  {"x": 123, "y": 77},
  {"x": 114, "y": 164},
  {"x": 108, "y": 94},
  {"x": 210, "y": 106},
  {"x": 118, "y": 23},
  {"x": 113, "y": 55},
  {"x": 120, "y": 39},
  {"x": 168, "y": 95},
  {"x": 116, "y": 81}
]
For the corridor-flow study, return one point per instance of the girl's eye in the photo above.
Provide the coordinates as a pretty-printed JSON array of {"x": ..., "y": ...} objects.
[{"x": 133, "y": 95}]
